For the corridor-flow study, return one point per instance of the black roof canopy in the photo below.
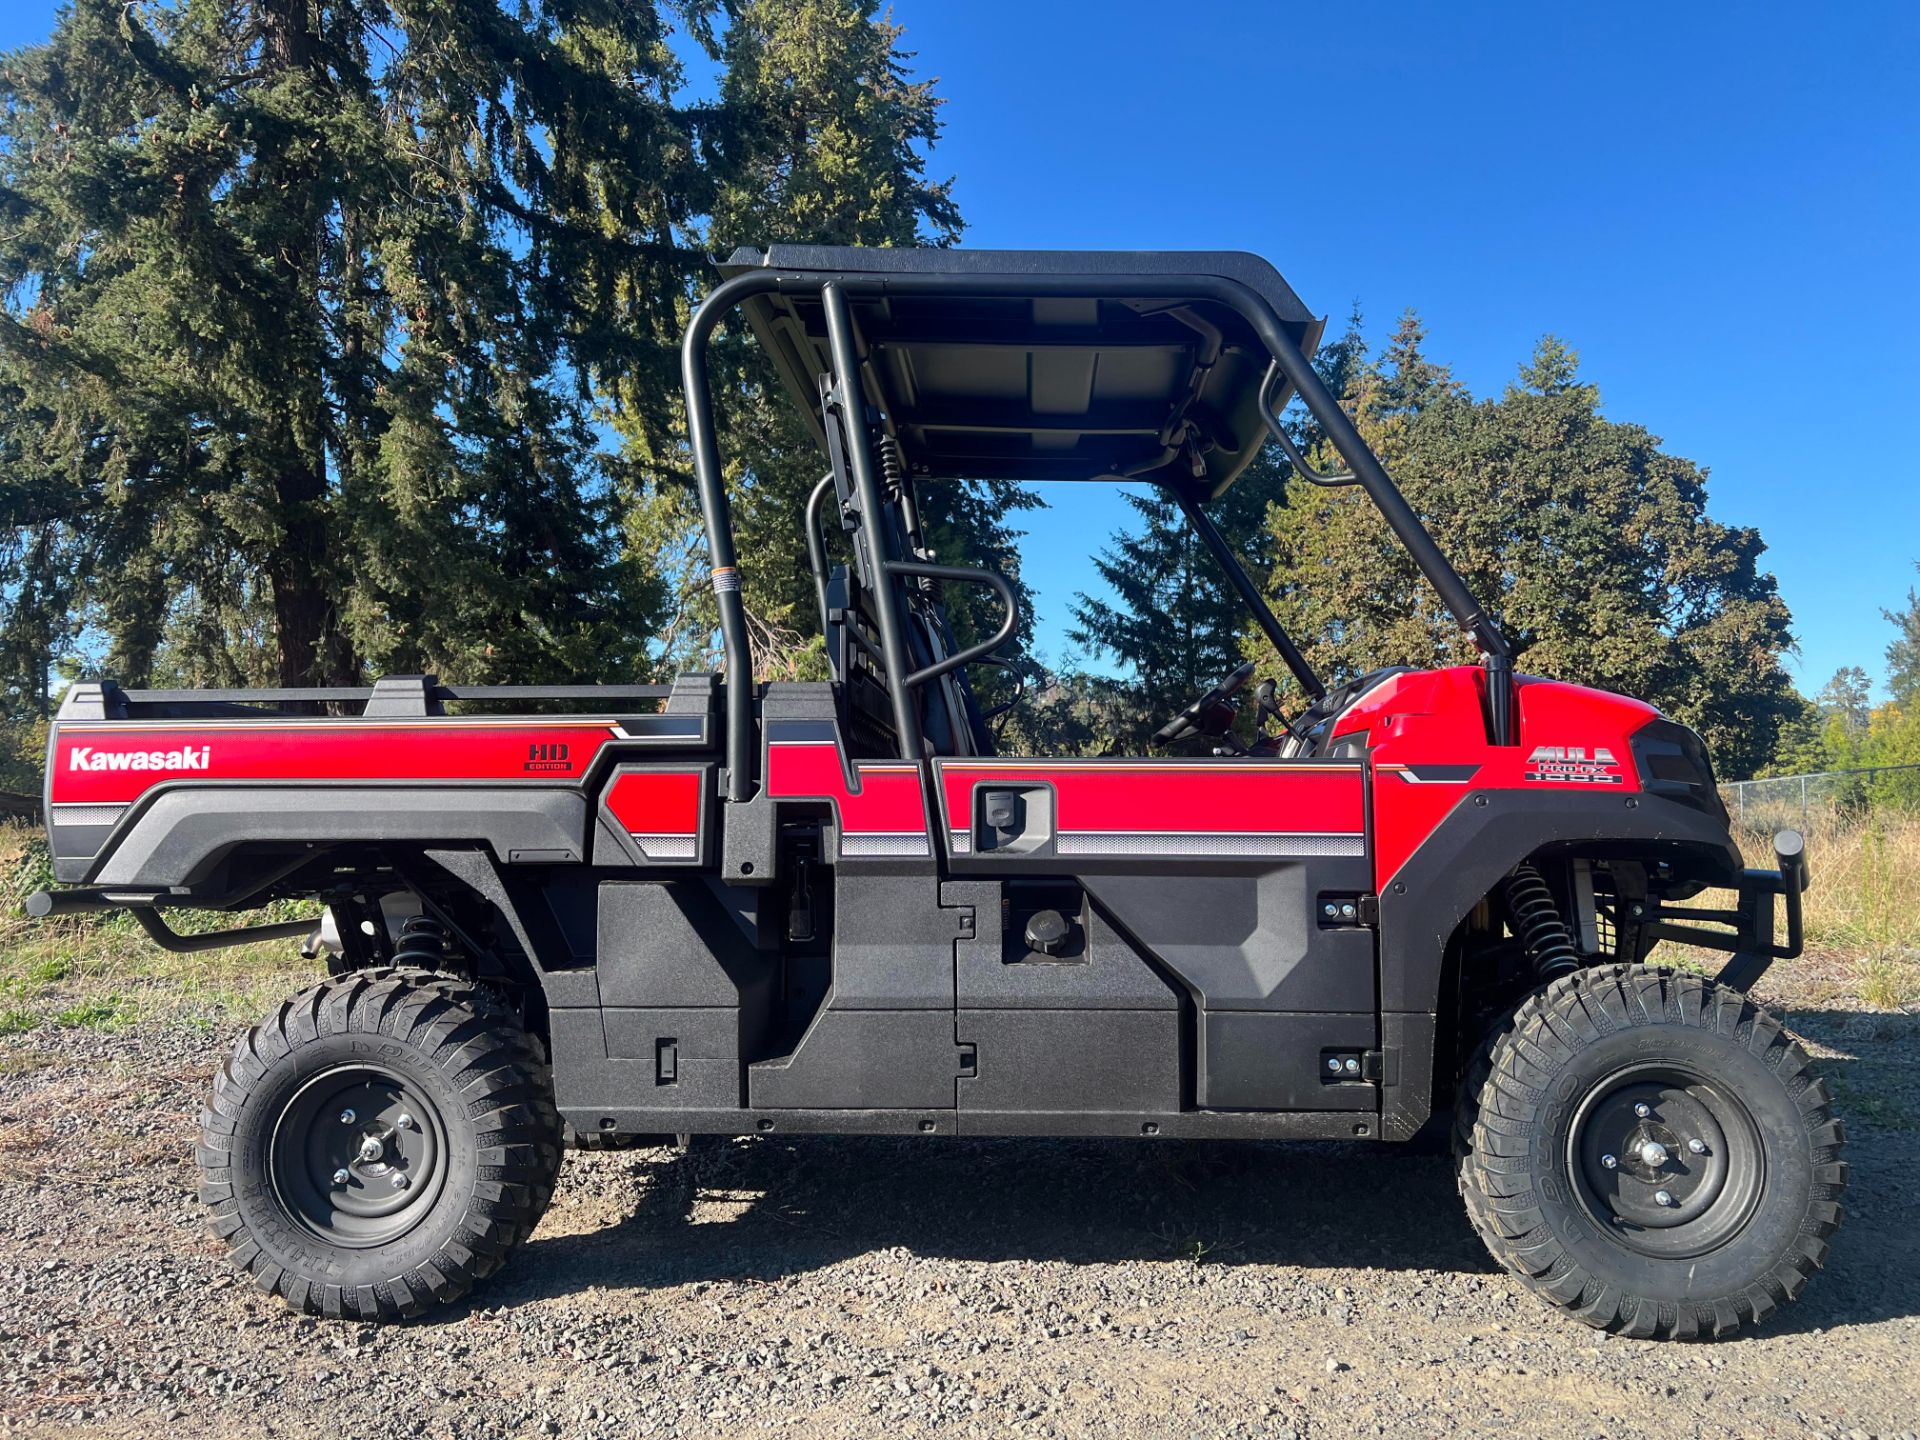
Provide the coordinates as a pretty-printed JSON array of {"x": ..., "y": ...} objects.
[{"x": 1044, "y": 364}]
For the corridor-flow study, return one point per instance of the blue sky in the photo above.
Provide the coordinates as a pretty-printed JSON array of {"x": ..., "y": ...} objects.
[{"x": 1718, "y": 210}]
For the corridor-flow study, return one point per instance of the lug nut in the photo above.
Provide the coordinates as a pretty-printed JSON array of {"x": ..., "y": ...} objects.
[
  {"x": 347, "y": 1117},
  {"x": 1653, "y": 1154},
  {"x": 1643, "y": 1110},
  {"x": 340, "y": 1177},
  {"x": 1607, "y": 1162},
  {"x": 400, "y": 1183},
  {"x": 405, "y": 1122},
  {"x": 1663, "y": 1197},
  {"x": 1697, "y": 1145}
]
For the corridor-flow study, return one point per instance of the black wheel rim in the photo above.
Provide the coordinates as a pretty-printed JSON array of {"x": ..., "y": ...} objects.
[
  {"x": 1666, "y": 1162},
  {"x": 359, "y": 1156}
]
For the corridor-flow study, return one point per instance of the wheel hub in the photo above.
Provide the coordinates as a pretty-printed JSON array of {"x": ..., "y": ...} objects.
[
  {"x": 1666, "y": 1163},
  {"x": 344, "y": 1164}
]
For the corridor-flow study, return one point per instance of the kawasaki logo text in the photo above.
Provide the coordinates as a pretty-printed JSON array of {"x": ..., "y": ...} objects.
[{"x": 84, "y": 757}]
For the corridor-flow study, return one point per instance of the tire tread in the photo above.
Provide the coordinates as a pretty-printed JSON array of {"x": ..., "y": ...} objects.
[
  {"x": 498, "y": 1069},
  {"x": 1493, "y": 1133}
]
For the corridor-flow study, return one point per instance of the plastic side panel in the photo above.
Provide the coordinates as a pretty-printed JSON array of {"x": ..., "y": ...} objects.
[
  {"x": 1428, "y": 743},
  {"x": 1072, "y": 1060},
  {"x": 183, "y": 831},
  {"x": 1111, "y": 975},
  {"x": 1249, "y": 941},
  {"x": 864, "y": 1060},
  {"x": 1274, "y": 1062},
  {"x": 673, "y": 943},
  {"x": 893, "y": 944},
  {"x": 670, "y": 1058}
]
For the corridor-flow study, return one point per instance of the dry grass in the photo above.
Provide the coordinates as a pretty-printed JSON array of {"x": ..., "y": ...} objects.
[{"x": 1865, "y": 891}]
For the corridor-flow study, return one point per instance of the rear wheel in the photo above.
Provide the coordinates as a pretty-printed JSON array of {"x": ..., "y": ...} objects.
[
  {"x": 1650, "y": 1151},
  {"x": 381, "y": 1143}
]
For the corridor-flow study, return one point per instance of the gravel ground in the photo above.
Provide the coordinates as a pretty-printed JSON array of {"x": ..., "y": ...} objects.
[{"x": 853, "y": 1287}]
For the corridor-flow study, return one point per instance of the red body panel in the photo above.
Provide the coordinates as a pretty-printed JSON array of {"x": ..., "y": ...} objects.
[
  {"x": 111, "y": 762},
  {"x": 882, "y": 807},
  {"x": 656, "y": 802},
  {"x": 1143, "y": 798},
  {"x": 1424, "y": 725}
]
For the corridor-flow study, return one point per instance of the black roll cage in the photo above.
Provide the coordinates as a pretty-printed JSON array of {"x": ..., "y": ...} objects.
[{"x": 1288, "y": 364}]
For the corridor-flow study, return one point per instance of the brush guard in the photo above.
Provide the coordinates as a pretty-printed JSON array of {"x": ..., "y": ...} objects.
[{"x": 1751, "y": 945}]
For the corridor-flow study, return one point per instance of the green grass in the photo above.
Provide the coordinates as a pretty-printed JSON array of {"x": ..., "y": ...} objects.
[
  {"x": 99, "y": 1012},
  {"x": 1888, "y": 982},
  {"x": 103, "y": 973}
]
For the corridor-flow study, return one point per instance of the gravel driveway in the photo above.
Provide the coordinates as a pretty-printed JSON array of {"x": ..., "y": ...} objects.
[{"x": 855, "y": 1287}]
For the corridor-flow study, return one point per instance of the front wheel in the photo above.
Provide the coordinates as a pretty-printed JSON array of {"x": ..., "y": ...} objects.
[
  {"x": 379, "y": 1144},
  {"x": 1650, "y": 1151}
]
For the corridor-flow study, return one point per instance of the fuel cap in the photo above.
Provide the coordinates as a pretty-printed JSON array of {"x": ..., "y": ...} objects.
[{"x": 1047, "y": 932}]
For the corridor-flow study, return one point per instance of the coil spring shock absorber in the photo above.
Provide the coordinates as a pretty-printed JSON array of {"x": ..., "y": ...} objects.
[
  {"x": 423, "y": 944},
  {"x": 1537, "y": 921},
  {"x": 893, "y": 467}
]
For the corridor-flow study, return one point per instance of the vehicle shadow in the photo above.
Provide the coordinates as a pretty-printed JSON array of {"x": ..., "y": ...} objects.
[{"x": 765, "y": 1208}]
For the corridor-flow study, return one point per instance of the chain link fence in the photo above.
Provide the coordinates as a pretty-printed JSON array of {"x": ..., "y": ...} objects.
[{"x": 1805, "y": 800}]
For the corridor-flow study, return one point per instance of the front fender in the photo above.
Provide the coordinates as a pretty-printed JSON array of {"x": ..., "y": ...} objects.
[
  {"x": 1491, "y": 831},
  {"x": 1462, "y": 859}
]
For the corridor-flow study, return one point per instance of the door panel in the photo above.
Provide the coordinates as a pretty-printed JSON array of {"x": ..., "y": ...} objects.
[{"x": 1219, "y": 873}]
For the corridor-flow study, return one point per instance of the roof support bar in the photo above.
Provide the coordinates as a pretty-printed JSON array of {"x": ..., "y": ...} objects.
[
  {"x": 712, "y": 483},
  {"x": 1250, "y": 595},
  {"x": 1393, "y": 506},
  {"x": 873, "y": 527}
]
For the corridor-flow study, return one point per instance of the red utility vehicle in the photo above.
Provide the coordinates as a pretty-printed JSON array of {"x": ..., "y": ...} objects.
[{"x": 729, "y": 907}]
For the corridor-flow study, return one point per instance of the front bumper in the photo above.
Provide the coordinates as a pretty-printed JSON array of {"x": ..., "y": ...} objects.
[{"x": 1751, "y": 944}]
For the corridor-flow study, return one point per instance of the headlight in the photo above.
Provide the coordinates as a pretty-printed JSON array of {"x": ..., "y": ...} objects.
[{"x": 1673, "y": 764}]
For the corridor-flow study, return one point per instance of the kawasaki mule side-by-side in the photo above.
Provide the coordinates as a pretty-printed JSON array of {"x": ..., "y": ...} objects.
[{"x": 730, "y": 907}]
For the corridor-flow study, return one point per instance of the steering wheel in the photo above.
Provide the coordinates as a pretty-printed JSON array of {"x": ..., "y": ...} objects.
[{"x": 1206, "y": 711}]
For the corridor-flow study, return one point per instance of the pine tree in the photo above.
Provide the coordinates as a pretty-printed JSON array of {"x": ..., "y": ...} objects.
[
  {"x": 1903, "y": 655},
  {"x": 304, "y": 295},
  {"x": 820, "y": 138},
  {"x": 1591, "y": 542},
  {"x": 1847, "y": 699}
]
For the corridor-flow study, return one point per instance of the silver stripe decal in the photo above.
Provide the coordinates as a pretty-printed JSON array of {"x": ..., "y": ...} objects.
[
  {"x": 87, "y": 814},
  {"x": 1109, "y": 842},
  {"x": 911, "y": 843},
  {"x": 667, "y": 847}
]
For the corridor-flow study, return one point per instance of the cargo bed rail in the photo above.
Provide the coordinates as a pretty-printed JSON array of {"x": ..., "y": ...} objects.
[{"x": 391, "y": 697}]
